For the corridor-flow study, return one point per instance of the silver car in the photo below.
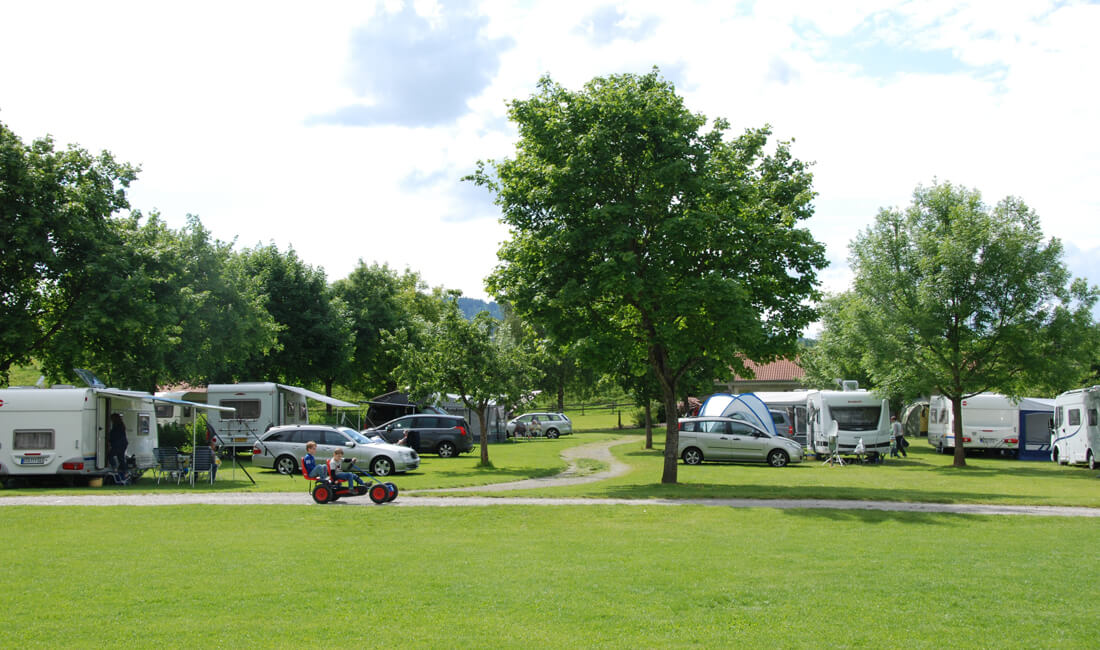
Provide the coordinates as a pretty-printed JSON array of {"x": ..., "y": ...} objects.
[
  {"x": 282, "y": 448},
  {"x": 543, "y": 423},
  {"x": 720, "y": 438}
]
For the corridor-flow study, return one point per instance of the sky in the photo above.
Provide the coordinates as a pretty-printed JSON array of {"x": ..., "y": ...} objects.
[{"x": 343, "y": 129}]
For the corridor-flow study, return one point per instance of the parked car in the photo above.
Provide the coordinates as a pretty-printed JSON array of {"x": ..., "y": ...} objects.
[
  {"x": 721, "y": 438},
  {"x": 546, "y": 424},
  {"x": 446, "y": 435},
  {"x": 783, "y": 424},
  {"x": 282, "y": 448}
]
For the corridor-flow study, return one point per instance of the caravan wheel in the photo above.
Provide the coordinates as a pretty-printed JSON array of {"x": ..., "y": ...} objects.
[{"x": 1092, "y": 460}]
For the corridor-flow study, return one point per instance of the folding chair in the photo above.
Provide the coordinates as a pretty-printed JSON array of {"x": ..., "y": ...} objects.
[
  {"x": 120, "y": 478},
  {"x": 168, "y": 463},
  {"x": 202, "y": 460}
]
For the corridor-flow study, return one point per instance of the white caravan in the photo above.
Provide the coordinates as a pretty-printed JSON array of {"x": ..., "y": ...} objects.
[
  {"x": 793, "y": 403},
  {"x": 1076, "y": 436},
  {"x": 857, "y": 413},
  {"x": 62, "y": 431},
  {"x": 258, "y": 407},
  {"x": 175, "y": 412},
  {"x": 992, "y": 421}
]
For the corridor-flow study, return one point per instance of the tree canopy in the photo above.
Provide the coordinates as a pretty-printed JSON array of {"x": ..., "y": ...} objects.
[
  {"x": 633, "y": 226},
  {"x": 957, "y": 298}
]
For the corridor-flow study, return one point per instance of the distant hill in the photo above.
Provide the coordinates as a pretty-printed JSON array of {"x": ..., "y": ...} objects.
[{"x": 472, "y": 307}]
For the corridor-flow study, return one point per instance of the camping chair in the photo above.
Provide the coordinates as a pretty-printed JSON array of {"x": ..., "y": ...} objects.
[
  {"x": 119, "y": 477},
  {"x": 202, "y": 460},
  {"x": 168, "y": 463},
  {"x": 861, "y": 451}
]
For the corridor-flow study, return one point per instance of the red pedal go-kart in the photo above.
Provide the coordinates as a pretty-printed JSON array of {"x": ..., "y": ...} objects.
[{"x": 327, "y": 489}]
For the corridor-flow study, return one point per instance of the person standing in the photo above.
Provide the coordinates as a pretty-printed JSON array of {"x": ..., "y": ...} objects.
[
  {"x": 898, "y": 434},
  {"x": 118, "y": 442}
]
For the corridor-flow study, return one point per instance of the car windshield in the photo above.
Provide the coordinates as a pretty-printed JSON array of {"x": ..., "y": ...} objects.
[{"x": 355, "y": 435}]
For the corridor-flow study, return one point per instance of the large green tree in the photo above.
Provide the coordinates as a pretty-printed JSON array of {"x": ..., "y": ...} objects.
[
  {"x": 168, "y": 306},
  {"x": 635, "y": 227},
  {"x": 55, "y": 237},
  {"x": 959, "y": 298},
  {"x": 314, "y": 337},
  {"x": 474, "y": 359}
]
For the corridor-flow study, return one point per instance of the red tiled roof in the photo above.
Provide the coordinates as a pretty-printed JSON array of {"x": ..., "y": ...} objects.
[{"x": 781, "y": 370}]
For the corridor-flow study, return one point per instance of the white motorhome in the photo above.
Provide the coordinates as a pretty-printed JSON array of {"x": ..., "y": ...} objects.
[
  {"x": 1076, "y": 435},
  {"x": 62, "y": 431},
  {"x": 793, "y": 404},
  {"x": 992, "y": 421},
  {"x": 176, "y": 413},
  {"x": 857, "y": 413},
  {"x": 259, "y": 406}
]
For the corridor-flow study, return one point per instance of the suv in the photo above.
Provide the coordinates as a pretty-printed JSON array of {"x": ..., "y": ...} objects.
[
  {"x": 281, "y": 448},
  {"x": 546, "y": 424},
  {"x": 446, "y": 435}
]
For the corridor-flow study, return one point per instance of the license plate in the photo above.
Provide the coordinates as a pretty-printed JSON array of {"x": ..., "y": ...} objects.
[
  {"x": 240, "y": 439},
  {"x": 32, "y": 460}
]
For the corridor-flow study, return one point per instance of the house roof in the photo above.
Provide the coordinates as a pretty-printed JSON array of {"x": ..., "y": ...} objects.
[{"x": 781, "y": 370}]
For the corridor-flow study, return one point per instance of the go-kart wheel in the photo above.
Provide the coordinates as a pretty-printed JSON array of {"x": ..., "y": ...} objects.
[
  {"x": 321, "y": 494},
  {"x": 392, "y": 491},
  {"x": 360, "y": 490},
  {"x": 378, "y": 493}
]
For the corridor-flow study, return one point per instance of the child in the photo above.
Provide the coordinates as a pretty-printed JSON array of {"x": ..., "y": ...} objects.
[
  {"x": 894, "y": 448},
  {"x": 334, "y": 465},
  {"x": 309, "y": 463}
]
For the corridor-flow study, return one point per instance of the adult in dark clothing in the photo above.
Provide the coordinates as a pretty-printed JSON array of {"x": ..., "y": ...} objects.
[{"x": 118, "y": 443}]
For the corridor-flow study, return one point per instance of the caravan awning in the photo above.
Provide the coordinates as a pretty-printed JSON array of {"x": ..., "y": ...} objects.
[
  {"x": 135, "y": 394},
  {"x": 319, "y": 397}
]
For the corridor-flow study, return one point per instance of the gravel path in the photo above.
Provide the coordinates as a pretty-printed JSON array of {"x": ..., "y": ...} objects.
[{"x": 598, "y": 451}]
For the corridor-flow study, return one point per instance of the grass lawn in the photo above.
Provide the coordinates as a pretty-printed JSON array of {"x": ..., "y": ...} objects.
[{"x": 521, "y": 576}]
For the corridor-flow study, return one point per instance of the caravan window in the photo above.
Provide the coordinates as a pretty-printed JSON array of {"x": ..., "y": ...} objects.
[
  {"x": 33, "y": 439},
  {"x": 1074, "y": 417},
  {"x": 1057, "y": 416},
  {"x": 291, "y": 408},
  {"x": 247, "y": 409},
  {"x": 857, "y": 418},
  {"x": 1092, "y": 417},
  {"x": 143, "y": 424},
  {"x": 164, "y": 410}
]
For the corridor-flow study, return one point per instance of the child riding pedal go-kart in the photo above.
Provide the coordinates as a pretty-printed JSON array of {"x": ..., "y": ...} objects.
[{"x": 328, "y": 488}]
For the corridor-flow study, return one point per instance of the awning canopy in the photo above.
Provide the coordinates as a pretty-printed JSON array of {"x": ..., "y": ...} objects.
[{"x": 319, "y": 397}]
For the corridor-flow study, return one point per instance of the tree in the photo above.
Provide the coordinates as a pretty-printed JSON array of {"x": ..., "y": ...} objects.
[
  {"x": 386, "y": 311},
  {"x": 168, "y": 306},
  {"x": 55, "y": 237},
  {"x": 838, "y": 351},
  {"x": 960, "y": 298},
  {"x": 314, "y": 337},
  {"x": 467, "y": 357},
  {"x": 633, "y": 227}
]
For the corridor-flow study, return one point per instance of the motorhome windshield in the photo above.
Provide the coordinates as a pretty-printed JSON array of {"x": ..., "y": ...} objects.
[{"x": 856, "y": 418}]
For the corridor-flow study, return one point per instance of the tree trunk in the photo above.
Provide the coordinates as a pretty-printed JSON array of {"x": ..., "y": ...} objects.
[
  {"x": 960, "y": 450},
  {"x": 561, "y": 395},
  {"x": 648, "y": 424},
  {"x": 672, "y": 439},
  {"x": 482, "y": 414}
]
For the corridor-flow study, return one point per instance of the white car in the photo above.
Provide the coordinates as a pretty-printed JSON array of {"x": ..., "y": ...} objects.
[
  {"x": 282, "y": 448},
  {"x": 721, "y": 438},
  {"x": 545, "y": 423}
]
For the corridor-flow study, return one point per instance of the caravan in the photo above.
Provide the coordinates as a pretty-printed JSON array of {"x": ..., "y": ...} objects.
[
  {"x": 992, "y": 421},
  {"x": 1076, "y": 436},
  {"x": 62, "y": 431},
  {"x": 858, "y": 414},
  {"x": 259, "y": 406}
]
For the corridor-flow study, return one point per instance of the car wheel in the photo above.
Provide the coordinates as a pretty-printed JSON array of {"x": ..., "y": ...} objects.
[
  {"x": 381, "y": 466},
  {"x": 286, "y": 465},
  {"x": 552, "y": 433},
  {"x": 778, "y": 458},
  {"x": 692, "y": 456},
  {"x": 446, "y": 450}
]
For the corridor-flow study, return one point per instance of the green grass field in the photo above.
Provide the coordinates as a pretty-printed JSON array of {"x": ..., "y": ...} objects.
[
  {"x": 523, "y": 576},
  {"x": 636, "y": 576}
]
